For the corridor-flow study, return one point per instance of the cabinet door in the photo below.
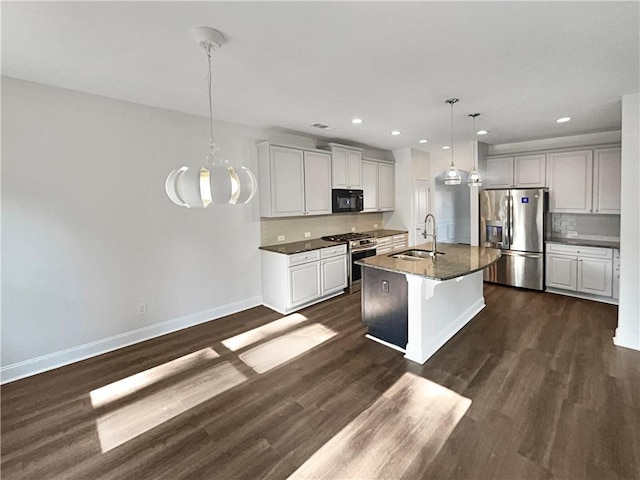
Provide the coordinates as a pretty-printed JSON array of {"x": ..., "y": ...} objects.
[
  {"x": 370, "y": 185},
  {"x": 287, "y": 182},
  {"x": 561, "y": 272},
  {"x": 334, "y": 274},
  {"x": 529, "y": 170},
  {"x": 499, "y": 173},
  {"x": 339, "y": 167},
  {"x": 304, "y": 283},
  {"x": 594, "y": 276},
  {"x": 354, "y": 164},
  {"x": 570, "y": 186},
  {"x": 317, "y": 183},
  {"x": 386, "y": 186},
  {"x": 606, "y": 180}
]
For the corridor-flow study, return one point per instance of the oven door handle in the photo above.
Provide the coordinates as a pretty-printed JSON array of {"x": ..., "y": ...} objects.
[{"x": 364, "y": 249}]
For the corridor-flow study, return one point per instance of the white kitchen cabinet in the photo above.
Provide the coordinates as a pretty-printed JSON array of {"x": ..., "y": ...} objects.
[
  {"x": 585, "y": 270},
  {"x": 346, "y": 166},
  {"x": 334, "y": 274},
  {"x": 523, "y": 171},
  {"x": 291, "y": 282},
  {"x": 499, "y": 173},
  {"x": 293, "y": 182},
  {"x": 385, "y": 245},
  {"x": 570, "y": 181},
  {"x": 400, "y": 241},
  {"x": 606, "y": 180},
  {"x": 378, "y": 184},
  {"x": 304, "y": 283}
]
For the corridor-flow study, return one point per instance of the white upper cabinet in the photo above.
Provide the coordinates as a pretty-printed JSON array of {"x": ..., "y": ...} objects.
[
  {"x": 570, "y": 181},
  {"x": 522, "y": 171},
  {"x": 293, "y": 182},
  {"x": 378, "y": 184},
  {"x": 346, "y": 167},
  {"x": 606, "y": 180},
  {"x": 529, "y": 171},
  {"x": 585, "y": 181},
  {"x": 499, "y": 173},
  {"x": 317, "y": 183}
]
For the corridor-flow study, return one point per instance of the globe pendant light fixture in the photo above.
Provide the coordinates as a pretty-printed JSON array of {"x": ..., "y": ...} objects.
[
  {"x": 474, "y": 177},
  {"x": 217, "y": 181},
  {"x": 452, "y": 176}
]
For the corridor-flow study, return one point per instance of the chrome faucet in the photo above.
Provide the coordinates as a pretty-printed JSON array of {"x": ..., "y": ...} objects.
[{"x": 432, "y": 235}]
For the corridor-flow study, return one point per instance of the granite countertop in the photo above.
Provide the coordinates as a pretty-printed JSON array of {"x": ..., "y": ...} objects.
[
  {"x": 302, "y": 246},
  {"x": 384, "y": 232},
  {"x": 456, "y": 261},
  {"x": 583, "y": 242}
]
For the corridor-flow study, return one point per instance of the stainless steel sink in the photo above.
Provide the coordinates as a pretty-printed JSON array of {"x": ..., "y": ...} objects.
[{"x": 415, "y": 254}]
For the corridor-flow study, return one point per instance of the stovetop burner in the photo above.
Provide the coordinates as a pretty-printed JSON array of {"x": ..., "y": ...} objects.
[{"x": 346, "y": 237}]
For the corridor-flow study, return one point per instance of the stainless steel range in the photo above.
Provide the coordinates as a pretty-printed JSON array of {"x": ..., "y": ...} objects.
[{"x": 359, "y": 246}]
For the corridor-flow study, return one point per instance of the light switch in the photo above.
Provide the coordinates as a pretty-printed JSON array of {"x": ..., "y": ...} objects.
[{"x": 385, "y": 286}]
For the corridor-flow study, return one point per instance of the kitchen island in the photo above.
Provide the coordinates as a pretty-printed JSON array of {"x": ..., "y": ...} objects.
[{"x": 415, "y": 304}]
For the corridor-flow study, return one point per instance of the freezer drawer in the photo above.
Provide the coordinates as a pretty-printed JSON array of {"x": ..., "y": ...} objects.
[{"x": 518, "y": 269}]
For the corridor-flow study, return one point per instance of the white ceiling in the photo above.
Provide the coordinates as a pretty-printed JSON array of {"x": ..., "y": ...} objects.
[{"x": 291, "y": 64}]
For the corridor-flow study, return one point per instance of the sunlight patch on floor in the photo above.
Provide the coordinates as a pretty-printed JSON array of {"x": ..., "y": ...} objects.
[
  {"x": 141, "y": 415},
  {"x": 260, "y": 333},
  {"x": 411, "y": 420},
  {"x": 286, "y": 347},
  {"x": 134, "y": 383}
]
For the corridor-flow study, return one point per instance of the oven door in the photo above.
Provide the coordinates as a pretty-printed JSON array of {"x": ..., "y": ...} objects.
[{"x": 355, "y": 271}]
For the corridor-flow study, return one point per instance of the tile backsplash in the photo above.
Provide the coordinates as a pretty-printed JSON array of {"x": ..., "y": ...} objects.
[
  {"x": 597, "y": 227},
  {"x": 294, "y": 228}
]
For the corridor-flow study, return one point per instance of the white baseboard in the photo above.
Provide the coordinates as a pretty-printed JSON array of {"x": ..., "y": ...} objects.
[
  {"x": 624, "y": 340},
  {"x": 32, "y": 366},
  {"x": 386, "y": 344},
  {"x": 585, "y": 296}
]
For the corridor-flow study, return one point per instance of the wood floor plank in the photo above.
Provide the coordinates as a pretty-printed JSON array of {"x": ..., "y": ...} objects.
[{"x": 549, "y": 397}]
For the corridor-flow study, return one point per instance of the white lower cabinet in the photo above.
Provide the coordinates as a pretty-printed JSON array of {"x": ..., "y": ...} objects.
[
  {"x": 584, "y": 270},
  {"x": 291, "y": 282},
  {"x": 304, "y": 283}
]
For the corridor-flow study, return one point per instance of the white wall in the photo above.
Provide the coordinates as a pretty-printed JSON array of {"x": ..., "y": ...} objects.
[
  {"x": 410, "y": 166},
  {"x": 88, "y": 231},
  {"x": 628, "y": 331}
]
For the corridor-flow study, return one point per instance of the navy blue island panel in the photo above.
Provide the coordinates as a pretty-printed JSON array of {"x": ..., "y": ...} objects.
[{"x": 385, "y": 306}]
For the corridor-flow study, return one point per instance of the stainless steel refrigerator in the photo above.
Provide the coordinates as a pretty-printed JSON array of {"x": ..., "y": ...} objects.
[{"x": 515, "y": 220}]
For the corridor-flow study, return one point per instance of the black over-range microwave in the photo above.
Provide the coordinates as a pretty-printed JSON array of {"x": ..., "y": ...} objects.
[{"x": 347, "y": 200}]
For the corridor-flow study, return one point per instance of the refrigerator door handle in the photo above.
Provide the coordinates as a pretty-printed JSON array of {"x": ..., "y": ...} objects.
[
  {"x": 521, "y": 254},
  {"x": 510, "y": 219}
]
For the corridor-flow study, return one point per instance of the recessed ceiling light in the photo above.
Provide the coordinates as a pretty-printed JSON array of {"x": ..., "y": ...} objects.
[
  {"x": 423, "y": 141},
  {"x": 563, "y": 119},
  {"x": 483, "y": 132},
  {"x": 446, "y": 147},
  {"x": 396, "y": 132},
  {"x": 356, "y": 121}
]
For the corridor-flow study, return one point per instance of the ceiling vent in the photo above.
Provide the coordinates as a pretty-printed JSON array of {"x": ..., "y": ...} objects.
[{"x": 322, "y": 126}]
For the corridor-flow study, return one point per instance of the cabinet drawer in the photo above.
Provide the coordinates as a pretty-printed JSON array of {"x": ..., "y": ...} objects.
[
  {"x": 384, "y": 241},
  {"x": 383, "y": 250},
  {"x": 304, "y": 257},
  {"x": 333, "y": 251},
  {"x": 594, "y": 252},
  {"x": 401, "y": 238}
]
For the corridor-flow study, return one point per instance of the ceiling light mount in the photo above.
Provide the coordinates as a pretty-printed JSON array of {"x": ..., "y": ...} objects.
[{"x": 208, "y": 37}]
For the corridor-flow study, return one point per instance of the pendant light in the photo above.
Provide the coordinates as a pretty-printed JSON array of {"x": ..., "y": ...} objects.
[
  {"x": 218, "y": 181},
  {"x": 474, "y": 177},
  {"x": 452, "y": 176}
]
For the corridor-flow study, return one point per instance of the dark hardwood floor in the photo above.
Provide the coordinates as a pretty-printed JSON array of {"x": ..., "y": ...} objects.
[{"x": 531, "y": 388}]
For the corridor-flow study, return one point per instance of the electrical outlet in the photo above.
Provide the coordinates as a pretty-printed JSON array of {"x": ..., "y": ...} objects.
[
  {"x": 142, "y": 309},
  {"x": 353, "y": 229},
  {"x": 281, "y": 238},
  {"x": 307, "y": 234},
  {"x": 375, "y": 225},
  {"x": 385, "y": 286}
]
